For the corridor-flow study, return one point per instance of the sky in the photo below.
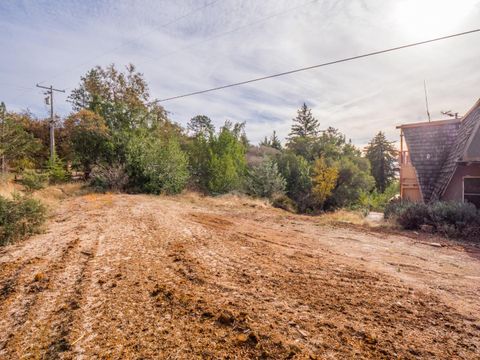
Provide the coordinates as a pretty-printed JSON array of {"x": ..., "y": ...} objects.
[{"x": 183, "y": 46}]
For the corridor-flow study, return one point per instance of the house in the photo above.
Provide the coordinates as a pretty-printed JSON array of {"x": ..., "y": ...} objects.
[{"x": 440, "y": 160}]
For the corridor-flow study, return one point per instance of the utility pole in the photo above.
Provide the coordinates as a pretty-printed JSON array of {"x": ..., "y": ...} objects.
[{"x": 50, "y": 89}]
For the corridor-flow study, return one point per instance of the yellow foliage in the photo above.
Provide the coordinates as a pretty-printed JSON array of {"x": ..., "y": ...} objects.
[{"x": 324, "y": 179}]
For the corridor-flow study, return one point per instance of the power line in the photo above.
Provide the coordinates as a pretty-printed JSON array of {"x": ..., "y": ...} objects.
[
  {"x": 88, "y": 61},
  {"x": 319, "y": 65}
]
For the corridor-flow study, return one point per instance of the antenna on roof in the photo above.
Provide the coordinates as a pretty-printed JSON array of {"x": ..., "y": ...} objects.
[
  {"x": 450, "y": 113},
  {"x": 426, "y": 99}
]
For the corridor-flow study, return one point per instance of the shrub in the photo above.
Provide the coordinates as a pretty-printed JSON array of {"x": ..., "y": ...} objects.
[
  {"x": 112, "y": 177},
  {"x": 19, "y": 217},
  {"x": 33, "y": 180},
  {"x": 393, "y": 208},
  {"x": 376, "y": 201},
  {"x": 56, "y": 171},
  {"x": 413, "y": 215},
  {"x": 282, "y": 201},
  {"x": 156, "y": 166},
  {"x": 452, "y": 218},
  {"x": 265, "y": 180}
]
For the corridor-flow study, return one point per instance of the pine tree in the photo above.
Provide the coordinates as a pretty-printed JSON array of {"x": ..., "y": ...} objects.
[
  {"x": 305, "y": 125},
  {"x": 304, "y": 134},
  {"x": 273, "y": 141},
  {"x": 383, "y": 158}
]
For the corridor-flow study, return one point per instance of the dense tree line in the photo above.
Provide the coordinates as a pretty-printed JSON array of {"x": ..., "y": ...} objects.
[{"x": 117, "y": 138}]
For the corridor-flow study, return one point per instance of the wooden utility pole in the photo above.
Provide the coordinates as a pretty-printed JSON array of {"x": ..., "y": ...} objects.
[{"x": 50, "y": 89}]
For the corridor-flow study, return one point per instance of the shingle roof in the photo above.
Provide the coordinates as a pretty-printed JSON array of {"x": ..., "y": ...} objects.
[
  {"x": 429, "y": 146},
  {"x": 467, "y": 126}
]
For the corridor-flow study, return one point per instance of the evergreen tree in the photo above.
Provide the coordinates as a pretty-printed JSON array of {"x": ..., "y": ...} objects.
[
  {"x": 265, "y": 180},
  {"x": 273, "y": 141},
  {"x": 383, "y": 157},
  {"x": 304, "y": 125},
  {"x": 304, "y": 134}
]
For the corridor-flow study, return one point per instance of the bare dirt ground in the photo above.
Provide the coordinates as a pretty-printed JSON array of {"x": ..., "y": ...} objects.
[{"x": 143, "y": 277}]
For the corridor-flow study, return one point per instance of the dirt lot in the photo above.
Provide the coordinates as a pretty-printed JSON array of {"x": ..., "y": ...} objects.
[{"x": 143, "y": 277}]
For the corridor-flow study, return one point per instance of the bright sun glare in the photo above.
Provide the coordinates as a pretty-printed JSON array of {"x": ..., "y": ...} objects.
[{"x": 426, "y": 18}]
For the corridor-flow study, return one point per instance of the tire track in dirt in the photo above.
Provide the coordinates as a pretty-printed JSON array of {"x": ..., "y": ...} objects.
[
  {"x": 156, "y": 277},
  {"x": 357, "y": 280},
  {"x": 36, "y": 315},
  {"x": 34, "y": 280}
]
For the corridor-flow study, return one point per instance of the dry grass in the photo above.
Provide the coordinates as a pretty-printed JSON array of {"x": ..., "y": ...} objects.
[
  {"x": 226, "y": 200},
  {"x": 50, "y": 196},
  {"x": 343, "y": 216},
  {"x": 8, "y": 187}
]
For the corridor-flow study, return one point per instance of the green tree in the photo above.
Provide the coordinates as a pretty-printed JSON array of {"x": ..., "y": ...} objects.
[
  {"x": 383, "y": 159},
  {"x": 226, "y": 160},
  {"x": 16, "y": 145},
  {"x": 297, "y": 172},
  {"x": 304, "y": 133},
  {"x": 273, "y": 141},
  {"x": 156, "y": 165},
  {"x": 121, "y": 98},
  {"x": 354, "y": 179},
  {"x": 198, "y": 150},
  {"x": 304, "y": 125},
  {"x": 200, "y": 124},
  {"x": 89, "y": 139},
  {"x": 265, "y": 180}
]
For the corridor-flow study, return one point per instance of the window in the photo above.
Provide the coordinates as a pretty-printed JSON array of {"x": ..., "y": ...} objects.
[{"x": 471, "y": 190}]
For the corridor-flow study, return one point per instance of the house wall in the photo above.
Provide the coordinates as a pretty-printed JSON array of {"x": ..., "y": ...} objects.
[
  {"x": 409, "y": 188},
  {"x": 454, "y": 190}
]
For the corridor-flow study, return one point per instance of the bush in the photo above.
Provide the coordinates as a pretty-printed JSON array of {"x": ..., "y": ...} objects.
[
  {"x": 19, "y": 217},
  {"x": 393, "y": 208},
  {"x": 282, "y": 201},
  {"x": 33, "y": 180},
  {"x": 376, "y": 201},
  {"x": 56, "y": 171},
  {"x": 413, "y": 215},
  {"x": 112, "y": 177},
  {"x": 156, "y": 166},
  {"x": 452, "y": 218},
  {"x": 265, "y": 180}
]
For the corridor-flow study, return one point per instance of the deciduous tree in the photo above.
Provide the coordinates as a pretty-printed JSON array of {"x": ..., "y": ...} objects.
[{"x": 324, "y": 180}]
